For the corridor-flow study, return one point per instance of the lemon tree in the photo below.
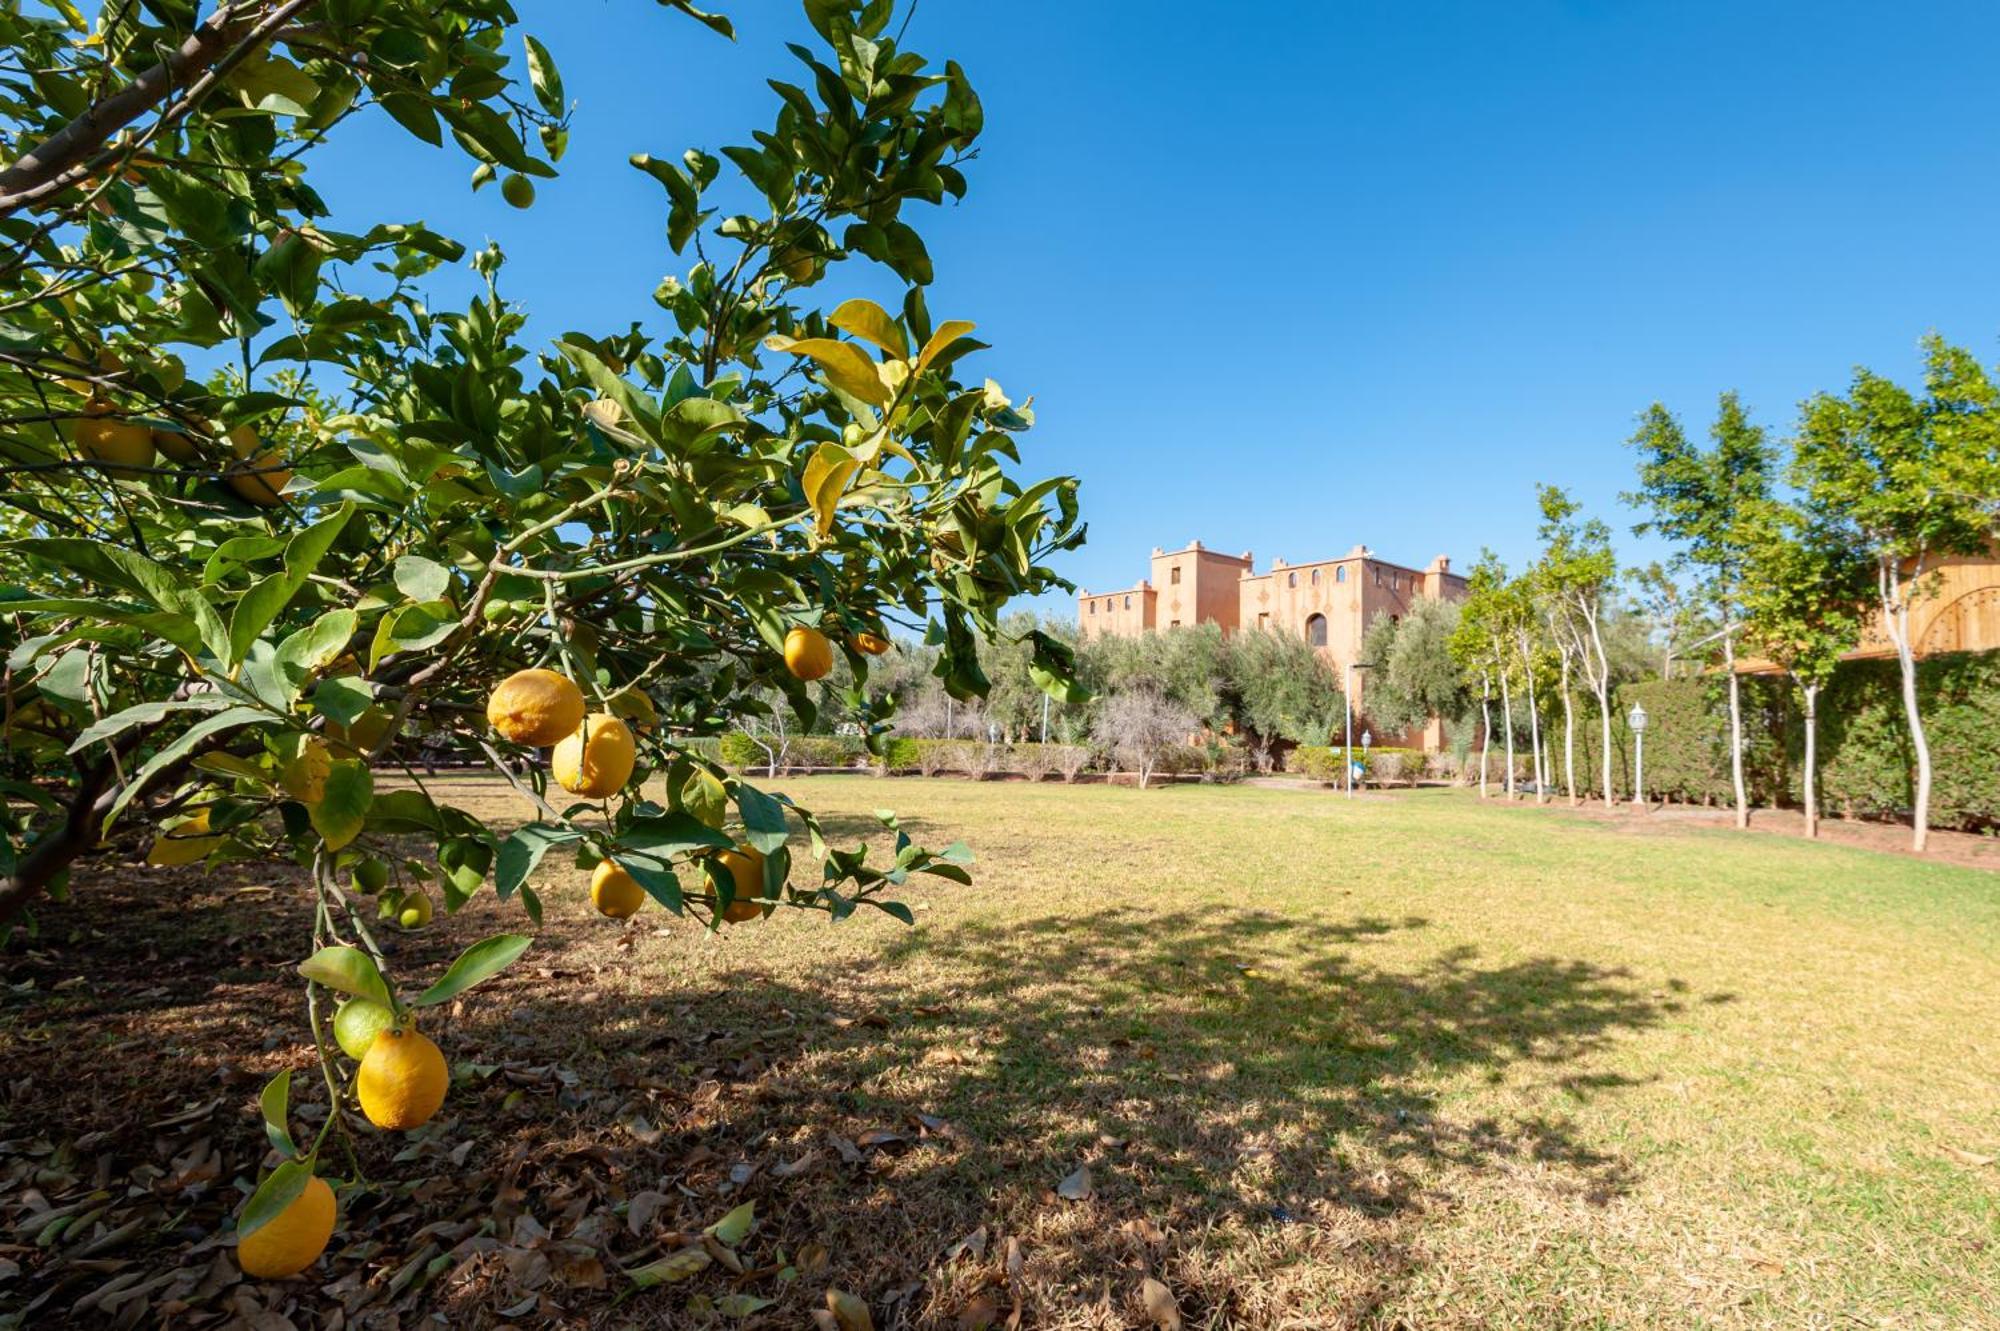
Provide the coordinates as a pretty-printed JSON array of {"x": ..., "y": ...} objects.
[{"x": 275, "y": 522}]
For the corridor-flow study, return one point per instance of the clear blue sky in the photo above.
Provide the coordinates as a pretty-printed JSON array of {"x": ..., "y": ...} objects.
[{"x": 1285, "y": 277}]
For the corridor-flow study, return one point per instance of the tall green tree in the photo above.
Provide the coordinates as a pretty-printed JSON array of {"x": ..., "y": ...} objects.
[
  {"x": 1803, "y": 608},
  {"x": 1416, "y": 677},
  {"x": 1573, "y": 578},
  {"x": 1705, "y": 501},
  {"x": 1479, "y": 646},
  {"x": 1884, "y": 468}
]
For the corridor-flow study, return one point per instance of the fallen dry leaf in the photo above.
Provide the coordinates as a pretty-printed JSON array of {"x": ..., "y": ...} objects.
[
  {"x": 1077, "y": 1187},
  {"x": 1160, "y": 1305},
  {"x": 850, "y": 1313}
]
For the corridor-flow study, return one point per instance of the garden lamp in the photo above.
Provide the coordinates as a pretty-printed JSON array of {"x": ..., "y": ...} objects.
[{"x": 1637, "y": 720}]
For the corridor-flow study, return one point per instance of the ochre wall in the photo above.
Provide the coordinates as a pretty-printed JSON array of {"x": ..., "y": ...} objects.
[{"x": 1225, "y": 590}]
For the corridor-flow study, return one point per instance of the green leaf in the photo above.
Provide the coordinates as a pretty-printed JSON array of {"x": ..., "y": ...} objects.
[
  {"x": 947, "y": 333},
  {"x": 312, "y": 648},
  {"x": 343, "y": 810},
  {"x": 522, "y": 851},
  {"x": 741, "y": 1305},
  {"x": 413, "y": 628},
  {"x": 233, "y": 719},
  {"x": 763, "y": 818},
  {"x": 483, "y": 960},
  {"x": 669, "y": 835},
  {"x": 143, "y": 714},
  {"x": 342, "y": 699},
  {"x": 268, "y": 599},
  {"x": 733, "y": 1228},
  {"x": 275, "y": 1103},
  {"x": 543, "y": 77},
  {"x": 273, "y": 1195},
  {"x": 422, "y": 579},
  {"x": 347, "y": 970}
]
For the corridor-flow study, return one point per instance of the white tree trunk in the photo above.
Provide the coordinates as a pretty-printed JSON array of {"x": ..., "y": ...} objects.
[
  {"x": 1735, "y": 726},
  {"x": 1507, "y": 713},
  {"x": 1534, "y": 729},
  {"x": 1485, "y": 726},
  {"x": 1600, "y": 683},
  {"x": 1896, "y": 614},
  {"x": 1569, "y": 736},
  {"x": 1812, "y": 760}
]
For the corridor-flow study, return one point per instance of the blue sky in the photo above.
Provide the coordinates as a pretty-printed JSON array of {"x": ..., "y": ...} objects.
[{"x": 1285, "y": 277}]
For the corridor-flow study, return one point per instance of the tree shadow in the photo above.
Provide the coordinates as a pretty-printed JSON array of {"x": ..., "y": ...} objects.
[{"x": 1235, "y": 1081}]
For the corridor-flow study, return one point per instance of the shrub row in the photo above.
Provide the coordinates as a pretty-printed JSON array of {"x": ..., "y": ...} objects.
[
  {"x": 1867, "y": 765},
  {"x": 930, "y": 757},
  {"x": 1383, "y": 765}
]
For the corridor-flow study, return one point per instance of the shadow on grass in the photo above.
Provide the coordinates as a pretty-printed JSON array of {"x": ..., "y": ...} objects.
[{"x": 1267, "y": 1111}]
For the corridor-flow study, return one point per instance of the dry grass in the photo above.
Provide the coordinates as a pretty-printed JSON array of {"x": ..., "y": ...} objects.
[{"x": 1405, "y": 1061}]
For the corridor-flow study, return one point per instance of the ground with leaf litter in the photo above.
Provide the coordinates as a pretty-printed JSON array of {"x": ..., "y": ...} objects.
[{"x": 1196, "y": 1057}]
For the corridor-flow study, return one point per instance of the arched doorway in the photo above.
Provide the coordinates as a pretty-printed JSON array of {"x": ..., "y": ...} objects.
[{"x": 1316, "y": 630}]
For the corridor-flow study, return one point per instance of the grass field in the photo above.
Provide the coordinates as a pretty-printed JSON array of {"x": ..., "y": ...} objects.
[{"x": 1402, "y": 1061}]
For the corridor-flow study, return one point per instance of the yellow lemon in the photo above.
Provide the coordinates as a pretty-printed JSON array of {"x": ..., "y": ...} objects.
[
  {"x": 291, "y": 1240},
  {"x": 535, "y": 707},
  {"x": 402, "y": 1080},
  {"x": 596, "y": 759},
  {"x": 635, "y": 708},
  {"x": 173, "y": 444},
  {"x": 869, "y": 644},
  {"x": 357, "y": 1024},
  {"x": 120, "y": 445},
  {"x": 746, "y": 871},
  {"x": 807, "y": 653},
  {"x": 615, "y": 892}
]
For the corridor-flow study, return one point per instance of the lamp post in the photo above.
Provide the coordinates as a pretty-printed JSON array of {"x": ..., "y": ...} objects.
[
  {"x": 1347, "y": 706},
  {"x": 1637, "y": 720},
  {"x": 1367, "y": 742}
]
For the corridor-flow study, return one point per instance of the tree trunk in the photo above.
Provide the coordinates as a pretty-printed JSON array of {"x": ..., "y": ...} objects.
[
  {"x": 1485, "y": 727},
  {"x": 1569, "y": 737},
  {"x": 1507, "y": 713},
  {"x": 1812, "y": 760},
  {"x": 1896, "y": 614},
  {"x": 1735, "y": 726},
  {"x": 82, "y": 823},
  {"x": 1534, "y": 729}
]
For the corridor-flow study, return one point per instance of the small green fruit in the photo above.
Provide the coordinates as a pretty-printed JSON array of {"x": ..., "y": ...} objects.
[
  {"x": 370, "y": 877},
  {"x": 357, "y": 1024},
  {"x": 518, "y": 190}
]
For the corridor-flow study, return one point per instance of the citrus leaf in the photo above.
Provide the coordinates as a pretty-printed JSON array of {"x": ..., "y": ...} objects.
[
  {"x": 846, "y": 366},
  {"x": 522, "y": 851},
  {"x": 763, "y": 818},
  {"x": 347, "y": 970},
  {"x": 870, "y": 322},
  {"x": 273, "y": 1195},
  {"x": 672, "y": 1267},
  {"x": 735, "y": 1227},
  {"x": 343, "y": 810},
  {"x": 422, "y": 579},
  {"x": 483, "y": 960},
  {"x": 827, "y": 475},
  {"x": 275, "y": 1103},
  {"x": 947, "y": 333}
]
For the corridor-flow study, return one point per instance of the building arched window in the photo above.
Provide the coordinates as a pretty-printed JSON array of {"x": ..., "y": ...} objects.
[
  {"x": 1315, "y": 577},
  {"x": 1316, "y": 630},
  {"x": 1093, "y": 607},
  {"x": 1291, "y": 579},
  {"x": 1340, "y": 574},
  {"x": 1128, "y": 602}
]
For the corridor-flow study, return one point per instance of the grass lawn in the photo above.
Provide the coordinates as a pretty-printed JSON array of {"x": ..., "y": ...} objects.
[{"x": 1401, "y": 1061}]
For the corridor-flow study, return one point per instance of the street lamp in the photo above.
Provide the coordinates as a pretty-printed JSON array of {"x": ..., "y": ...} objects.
[
  {"x": 1367, "y": 741},
  {"x": 1347, "y": 705},
  {"x": 1637, "y": 720}
]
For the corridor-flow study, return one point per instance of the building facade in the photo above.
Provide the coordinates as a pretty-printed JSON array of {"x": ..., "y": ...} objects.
[{"x": 1328, "y": 602}]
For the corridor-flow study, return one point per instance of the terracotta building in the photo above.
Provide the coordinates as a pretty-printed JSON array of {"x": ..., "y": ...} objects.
[
  {"x": 1329, "y": 602},
  {"x": 1958, "y": 611}
]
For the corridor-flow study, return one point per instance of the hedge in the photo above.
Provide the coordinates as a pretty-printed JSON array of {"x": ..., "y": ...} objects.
[
  {"x": 1867, "y": 767},
  {"x": 1325, "y": 762}
]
